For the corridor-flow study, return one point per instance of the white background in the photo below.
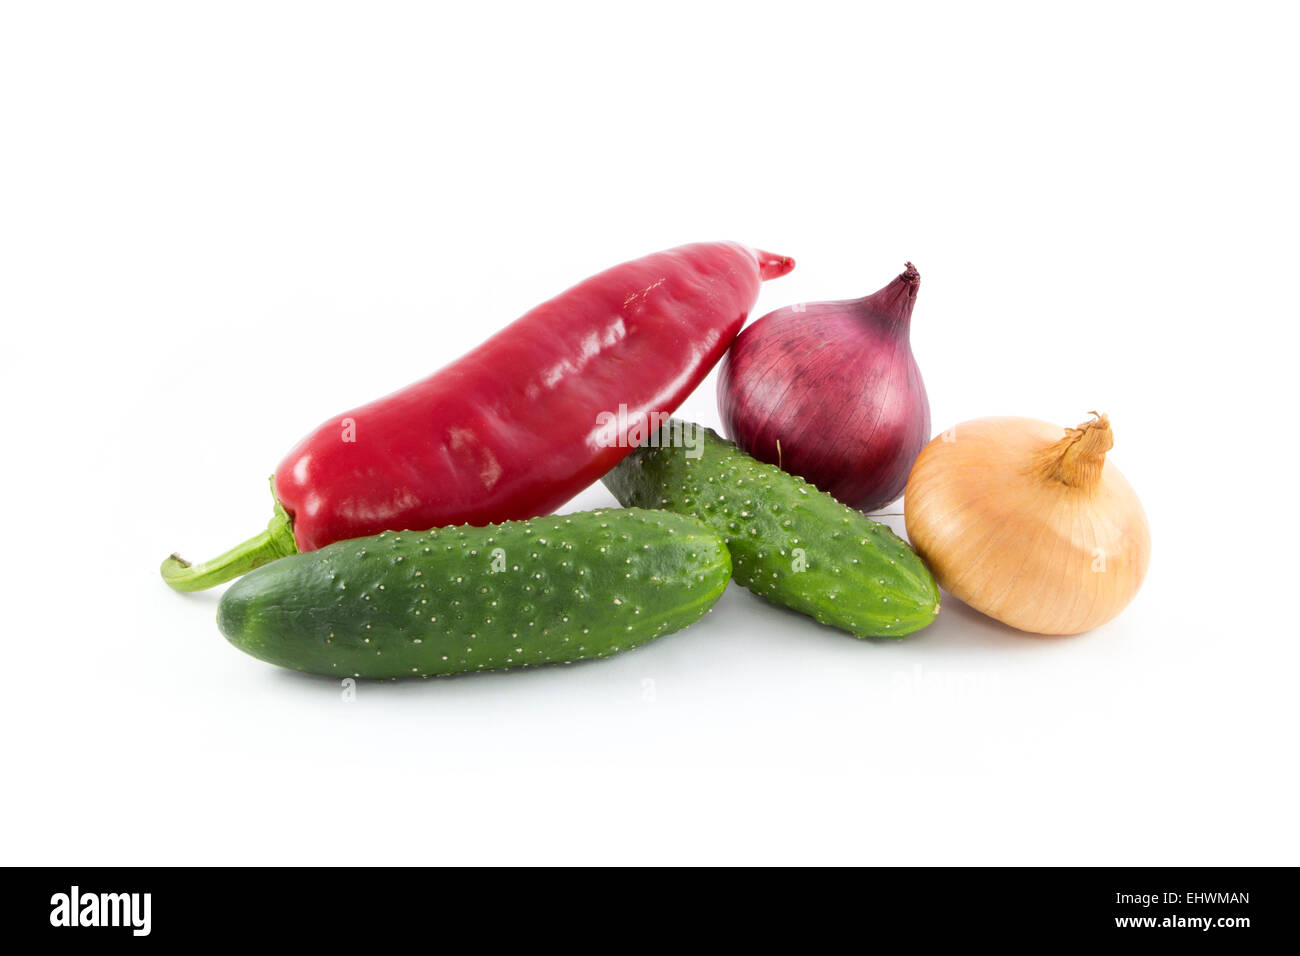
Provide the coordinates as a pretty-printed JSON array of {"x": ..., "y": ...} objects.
[{"x": 222, "y": 223}]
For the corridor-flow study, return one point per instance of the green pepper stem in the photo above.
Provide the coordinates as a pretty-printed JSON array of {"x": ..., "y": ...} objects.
[{"x": 272, "y": 544}]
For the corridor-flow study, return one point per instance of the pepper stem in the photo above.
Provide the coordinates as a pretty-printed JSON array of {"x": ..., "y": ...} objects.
[
  {"x": 1078, "y": 458},
  {"x": 275, "y": 542},
  {"x": 772, "y": 266}
]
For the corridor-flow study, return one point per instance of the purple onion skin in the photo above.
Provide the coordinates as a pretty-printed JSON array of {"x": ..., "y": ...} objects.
[{"x": 836, "y": 384}]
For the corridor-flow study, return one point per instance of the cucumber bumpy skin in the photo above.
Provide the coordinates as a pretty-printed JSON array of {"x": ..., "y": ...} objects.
[
  {"x": 789, "y": 542},
  {"x": 465, "y": 599}
]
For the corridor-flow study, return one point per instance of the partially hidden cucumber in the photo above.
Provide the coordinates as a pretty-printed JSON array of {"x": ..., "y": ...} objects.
[
  {"x": 465, "y": 599},
  {"x": 789, "y": 542}
]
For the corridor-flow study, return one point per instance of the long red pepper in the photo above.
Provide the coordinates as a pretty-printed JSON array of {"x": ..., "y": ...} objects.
[{"x": 522, "y": 423}]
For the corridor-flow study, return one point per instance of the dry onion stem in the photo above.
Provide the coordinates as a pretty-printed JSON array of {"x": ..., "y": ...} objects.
[{"x": 1033, "y": 528}]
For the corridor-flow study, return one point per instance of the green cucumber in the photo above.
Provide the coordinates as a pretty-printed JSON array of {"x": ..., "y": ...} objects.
[
  {"x": 789, "y": 542},
  {"x": 464, "y": 599}
]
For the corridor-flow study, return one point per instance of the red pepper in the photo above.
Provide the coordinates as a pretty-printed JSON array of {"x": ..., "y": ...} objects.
[{"x": 521, "y": 424}]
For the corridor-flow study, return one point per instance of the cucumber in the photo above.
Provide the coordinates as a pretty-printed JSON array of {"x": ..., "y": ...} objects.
[
  {"x": 789, "y": 542},
  {"x": 465, "y": 599}
]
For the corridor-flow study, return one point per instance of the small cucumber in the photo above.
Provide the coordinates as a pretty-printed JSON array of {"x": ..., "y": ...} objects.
[
  {"x": 789, "y": 542},
  {"x": 465, "y": 599}
]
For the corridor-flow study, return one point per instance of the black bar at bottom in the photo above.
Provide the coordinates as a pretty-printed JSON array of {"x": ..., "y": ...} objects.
[{"x": 1168, "y": 905}]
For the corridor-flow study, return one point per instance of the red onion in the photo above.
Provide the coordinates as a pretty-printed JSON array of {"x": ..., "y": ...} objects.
[{"x": 830, "y": 391}]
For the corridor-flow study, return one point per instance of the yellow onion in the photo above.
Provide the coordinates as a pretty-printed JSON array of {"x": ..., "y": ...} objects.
[{"x": 1032, "y": 527}]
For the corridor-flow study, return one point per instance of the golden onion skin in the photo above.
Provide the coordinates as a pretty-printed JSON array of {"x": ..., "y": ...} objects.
[{"x": 1028, "y": 523}]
